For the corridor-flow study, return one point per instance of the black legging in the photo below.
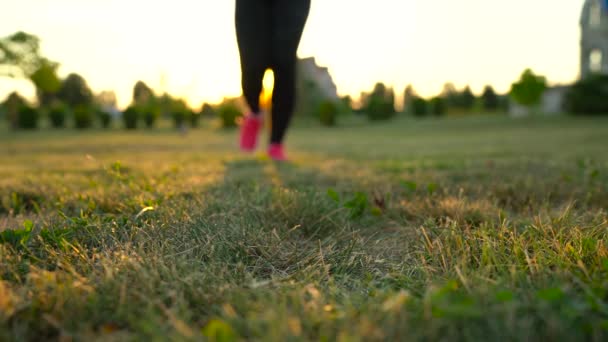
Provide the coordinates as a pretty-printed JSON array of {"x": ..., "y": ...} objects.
[{"x": 268, "y": 34}]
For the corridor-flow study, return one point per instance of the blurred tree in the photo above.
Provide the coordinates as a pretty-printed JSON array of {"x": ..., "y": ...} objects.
[
  {"x": 467, "y": 98},
  {"x": 142, "y": 94},
  {"x": 164, "y": 103},
  {"x": 490, "y": 99},
  {"x": 309, "y": 97},
  {"x": 528, "y": 91},
  {"x": 408, "y": 96},
  {"x": 328, "y": 112},
  {"x": 437, "y": 106},
  {"x": 180, "y": 112},
  {"x": 346, "y": 104},
  {"x": 207, "y": 111},
  {"x": 12, "y": 105},
  {"x": 390, "y": 100},
  {"x": 228, "y": 113},
  {"x": 83, "y": 116},
  {"x": 58, "y": 113},
  {"x": 420, "y": 106},
  {"x": 47, "y": 82},
  {"x": 588, "y": 96},
  {"x": 462, "y": 100},
  {"x": 75, "y": 92},
  {"x": 130, "y": 117},
  {"x": 451, "y": 95},
  {"x": 504, "y": 102},
  {"x": 106, "y": 107},
  {"x": 105, "y": 118},
  {"x": 28, "y": 117},
  {"x": 150, "y": 114},
  {"x": 380, "y": 104},
  {"x": 20, "y": 57},
  {"x": 194, "y": 118}
]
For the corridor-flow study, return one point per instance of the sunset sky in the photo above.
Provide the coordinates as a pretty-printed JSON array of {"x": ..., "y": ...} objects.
[{"x": 191, "y": 44}]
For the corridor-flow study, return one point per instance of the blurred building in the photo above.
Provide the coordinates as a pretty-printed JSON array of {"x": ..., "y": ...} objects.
[
  {"x": 594, "y": 57},
  {"x": 315, "y": 85},
  {"x": 594, "y": 40},
  {"x": 319, "y": 77}
]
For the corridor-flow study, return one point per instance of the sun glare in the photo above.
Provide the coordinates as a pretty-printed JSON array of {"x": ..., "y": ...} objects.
[{"x": 266, "y": 96}]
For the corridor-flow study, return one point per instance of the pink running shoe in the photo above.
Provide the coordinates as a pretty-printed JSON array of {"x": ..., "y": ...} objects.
[
  {"x": 276, "y": 152},
  {"x": 249, "y": 132}
]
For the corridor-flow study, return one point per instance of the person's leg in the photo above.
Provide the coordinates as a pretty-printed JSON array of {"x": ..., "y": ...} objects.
[
  {"x": 289, "y": 18},
  {"x": 254, "y": 33},
  {"x": 254, "y": 36}
]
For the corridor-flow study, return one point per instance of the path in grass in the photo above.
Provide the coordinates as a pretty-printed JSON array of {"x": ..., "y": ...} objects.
[{"x": 461, "y": 229}]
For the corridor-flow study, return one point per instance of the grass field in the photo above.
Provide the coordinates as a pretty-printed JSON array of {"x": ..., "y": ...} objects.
[{"x": 461, "y": 229}]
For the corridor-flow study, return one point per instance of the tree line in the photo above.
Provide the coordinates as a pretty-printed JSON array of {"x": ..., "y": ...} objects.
[{"x": 71, "y": 99}]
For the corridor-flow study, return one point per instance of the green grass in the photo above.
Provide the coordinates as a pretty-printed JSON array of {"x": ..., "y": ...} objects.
[{"x": 463, "y": 229}]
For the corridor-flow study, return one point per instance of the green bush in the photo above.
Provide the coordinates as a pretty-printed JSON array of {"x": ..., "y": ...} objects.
[
  {"x": 105, "y": 118},
  {"x": 57, "y": 115},
  {"x": 420, "y": 106},
  {"x": 228, "y": 114},
  {"x": 28, "y": 117},
  {"x": 379, "y": 108},
  {"x": 150, "y": 116},
  {"x": 490, "y": 99},
  {"x": 528, "y": 91},
  {"x": 83, "y": 117},
  {"x": 437, "y": 106},
  {"x": 588, "y": 96},
  {"x": 12, "y": 105},
  {"x": 130, "y": 117},
  {"x": 504, "y": 103},
  {"x": 328, "y": 112},
  {"x": 180, "y": 112},
  {"x": 194, "y": 118},
  {"x": 74, "y": 91},
  {"x": 179, "y": 118},
  {"x": 207, "y": 111}
]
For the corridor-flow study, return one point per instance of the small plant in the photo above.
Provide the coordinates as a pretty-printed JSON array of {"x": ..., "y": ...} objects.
[
  {"x": 356, "y": 205},
  {"x": 131, "y": 117},
  {"x": 28, "y": 117},
  {"x": 410, "y": 186},
  {"x": 57, "y": 115},
  {"x": 228, "y": 115},
  {"x": 328, "y": 111},
  {"x": 18, "y": 237},
  {"x": 83, "y": 117}
]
